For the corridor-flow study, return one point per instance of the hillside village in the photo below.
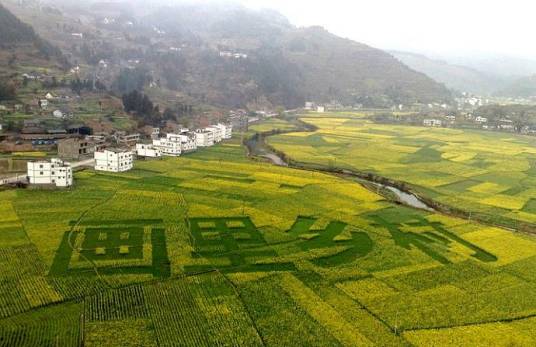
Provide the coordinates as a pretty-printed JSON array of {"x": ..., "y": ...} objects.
[{"x": 102, "y": 156}]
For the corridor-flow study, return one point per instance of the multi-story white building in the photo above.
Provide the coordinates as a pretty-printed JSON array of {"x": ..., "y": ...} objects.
[
  {"x": 217, "y": 133},
  {"x": 54, "y": 172},
  {"x": 204, "y": 138},
  {"x": 148, "y": 150},
  {"x": 169, "y": 145},
  {"x": 188, "y": 143},
  {"x": 114, "y": 160},
  {"x": 226, "y": 130}
]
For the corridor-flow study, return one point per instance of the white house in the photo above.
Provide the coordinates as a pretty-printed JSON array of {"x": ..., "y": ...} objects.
[
  {"x": 155, "y": 133},
  {"x": 114, "y": 160},
  {"x": 57, "y": 114},
  {"x": 309, "y": 105},
  {"x": 226, "y": 130},
  {"x": 204, "y": 138},
  {"x": 54, "y": 172},
  {"x": 188, "y": 143},
  {"x": 432, "y": 122},
  {"x": 481, "y": 119},
  {"x": 148, "y": 150},
  {"x": 169, "y": 145},
  {"x": 506, "y": 124},
  {"x": 43, "y": 103},
  {"x": 320, "y": 109},
  {"x": 217, "y": 133}
]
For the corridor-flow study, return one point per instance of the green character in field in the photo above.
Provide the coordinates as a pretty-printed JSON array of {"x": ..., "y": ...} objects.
[{"x": 357, "y": 247}]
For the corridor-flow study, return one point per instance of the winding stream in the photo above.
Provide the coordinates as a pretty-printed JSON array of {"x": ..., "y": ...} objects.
[{"x": 257, "y": 147}]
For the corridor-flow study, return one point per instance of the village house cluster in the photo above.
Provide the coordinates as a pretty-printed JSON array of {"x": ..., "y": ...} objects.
[
  {"x": 185, "y": 141},
  {"x": 58, "y": 173}
]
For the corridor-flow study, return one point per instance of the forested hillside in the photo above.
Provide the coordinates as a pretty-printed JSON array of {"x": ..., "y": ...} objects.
[
  {"x": 288, "y": 65},
  {"x": 14, "y": 32},
  {"x": 221, "y": 55}
]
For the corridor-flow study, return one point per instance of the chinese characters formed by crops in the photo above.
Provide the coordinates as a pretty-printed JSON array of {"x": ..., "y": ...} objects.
[
  {"x": 113, "y": 247},
  {"x": 433, "y": 239},
  {"x": 236, "y": 245}
]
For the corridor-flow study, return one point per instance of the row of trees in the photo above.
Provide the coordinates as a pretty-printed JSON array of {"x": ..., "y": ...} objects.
[
  {"x": 140, "y": 105},
  {"x": 78, "y": 85},
  {"x": 148, "y": 113}
]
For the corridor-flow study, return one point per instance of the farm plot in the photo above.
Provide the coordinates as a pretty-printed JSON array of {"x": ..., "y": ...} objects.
[
  {"x": 214, "y": 249},
  {"x": 490, "y": 174}
]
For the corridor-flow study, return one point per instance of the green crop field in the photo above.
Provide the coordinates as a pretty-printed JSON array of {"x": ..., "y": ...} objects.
[
  {"x": 271, "y": 124},
  {"x": 490, "y": 174},
  {"x": 215, "y": 249}
]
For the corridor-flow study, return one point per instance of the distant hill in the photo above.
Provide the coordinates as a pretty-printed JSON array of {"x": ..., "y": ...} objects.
[
  {"x": 457, "y": 77},
  {"x": 497, "y": 65},
  {"x": 15, "y": 34},
  {"x": 523, "y": 87},
  {"x": 224, "y": 55},
  {"x": 285, "y": 64}
]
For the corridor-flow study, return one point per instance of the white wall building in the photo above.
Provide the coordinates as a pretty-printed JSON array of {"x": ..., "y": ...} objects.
[
  {"x": 217, "y": 133},
  {"x": 55, "y": 172},
  {"x": 148, "y": 150},
  {"x": 480, "y": 119},
  {"x": 114, "y": 160},
  {"x": 43, "y": 103},
  {"x": 320, "y": 109},
  {"x": 169, "y": 145},
  {"x": 432, "y": 122},
  {"x": 226, "y": 130},
  {"x": 204, "y": 138},
  {"x": 188, "y": 143}
]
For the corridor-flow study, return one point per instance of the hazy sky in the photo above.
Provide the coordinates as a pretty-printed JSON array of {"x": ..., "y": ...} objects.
[{"x": 452, "y": 27}]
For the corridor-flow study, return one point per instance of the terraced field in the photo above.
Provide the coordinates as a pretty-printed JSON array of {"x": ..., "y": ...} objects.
[
  {"x": 215, "y": 249},
  {"x": 491, "y": 174}
]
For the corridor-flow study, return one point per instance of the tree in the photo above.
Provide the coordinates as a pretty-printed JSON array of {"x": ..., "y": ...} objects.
[
  {"x": 140, "y": 104},
  {"x": 8, "y": 90}
]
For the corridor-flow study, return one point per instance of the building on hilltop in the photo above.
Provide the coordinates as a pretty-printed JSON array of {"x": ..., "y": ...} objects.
[
  {"x": 114, "y": 160},
  {"x": 43, "y": 104},
  {"x": 54, "y": 172},
  {"x": 148, "y": 150}
]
